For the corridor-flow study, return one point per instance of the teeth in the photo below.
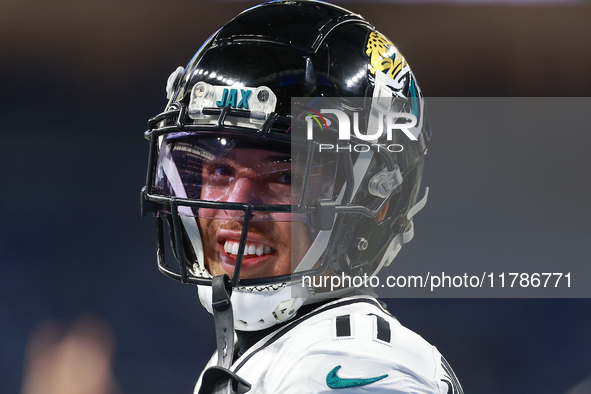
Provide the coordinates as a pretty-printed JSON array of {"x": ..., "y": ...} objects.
[{"x": 231, "y": 247}]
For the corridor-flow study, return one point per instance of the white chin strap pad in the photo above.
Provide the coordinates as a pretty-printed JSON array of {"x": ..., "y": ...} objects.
[{"x": 255, "y": 310}]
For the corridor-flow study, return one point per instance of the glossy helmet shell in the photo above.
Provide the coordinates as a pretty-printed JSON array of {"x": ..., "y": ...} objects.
[{"x": 314, "y": 49}]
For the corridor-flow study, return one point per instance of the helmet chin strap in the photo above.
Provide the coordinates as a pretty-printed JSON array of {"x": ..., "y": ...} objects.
[
  {"x": 223, "y": 318},
  {"x": 219, "y": 379}
]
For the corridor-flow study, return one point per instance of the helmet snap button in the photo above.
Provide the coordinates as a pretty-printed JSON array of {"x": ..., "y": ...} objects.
[
  {"x": 263, "y": 96},
  {"x": 363, "y": 244}
]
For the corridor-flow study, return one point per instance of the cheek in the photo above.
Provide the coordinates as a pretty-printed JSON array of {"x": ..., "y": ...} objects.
[
  {"x": 300, "y": 242},
  {"x": 208, "y": 240},
  {"x": 206, "y": 213},
  {"x": 205, "y": 226},
  {"x": 212, "y": 193}
]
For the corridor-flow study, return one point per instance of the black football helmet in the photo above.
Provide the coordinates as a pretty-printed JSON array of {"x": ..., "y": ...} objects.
[{"x": 274, "y": 69}]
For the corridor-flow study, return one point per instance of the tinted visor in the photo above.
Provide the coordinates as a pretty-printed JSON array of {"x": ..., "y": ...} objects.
[{"x": 230, "y": 170}]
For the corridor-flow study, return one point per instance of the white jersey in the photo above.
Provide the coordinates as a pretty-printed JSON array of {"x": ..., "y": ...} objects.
[{"x": 351, "y": 344}]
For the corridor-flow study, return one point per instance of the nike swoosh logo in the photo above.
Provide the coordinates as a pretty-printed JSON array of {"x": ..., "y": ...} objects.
[{"x": 334, "y": 382}]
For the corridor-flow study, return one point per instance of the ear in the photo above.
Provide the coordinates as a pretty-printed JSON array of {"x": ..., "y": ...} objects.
[{"x": 382, "y": 213}]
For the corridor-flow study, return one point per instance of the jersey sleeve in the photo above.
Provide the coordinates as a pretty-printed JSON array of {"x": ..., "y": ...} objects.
[{"x": 447, "y": 378}]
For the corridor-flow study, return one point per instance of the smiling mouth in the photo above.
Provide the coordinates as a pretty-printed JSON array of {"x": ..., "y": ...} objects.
[{"x": 252, "y": 249}]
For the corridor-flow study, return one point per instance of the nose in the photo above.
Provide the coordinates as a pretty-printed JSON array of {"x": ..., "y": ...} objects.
[{"x": 246, "y": 189}]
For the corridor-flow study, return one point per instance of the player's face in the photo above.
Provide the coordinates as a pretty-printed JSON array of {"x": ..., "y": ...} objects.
[{"x": 252, "y": 176}]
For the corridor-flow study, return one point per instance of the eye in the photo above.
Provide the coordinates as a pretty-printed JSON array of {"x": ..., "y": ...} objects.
[
  {"x": 219, "y": 174},
  {"x": 284, "y": 178},
  {"x": 221, "y": 170}
]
